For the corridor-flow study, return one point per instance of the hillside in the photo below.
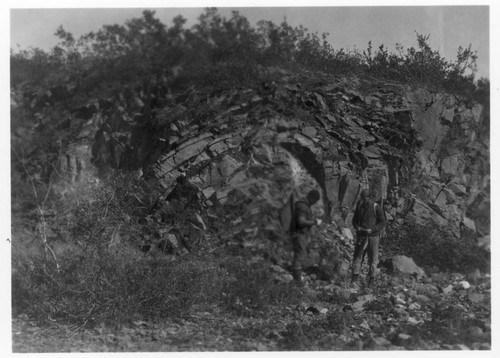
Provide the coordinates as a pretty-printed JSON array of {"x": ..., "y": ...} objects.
[{"x": 147, "y": 192}]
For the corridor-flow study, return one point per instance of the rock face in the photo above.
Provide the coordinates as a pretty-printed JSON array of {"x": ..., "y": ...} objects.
[{"x": 421, "y": 151}]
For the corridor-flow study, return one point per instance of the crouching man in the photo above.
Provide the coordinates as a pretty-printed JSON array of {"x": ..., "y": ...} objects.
[{"x": 368, "y": 220}]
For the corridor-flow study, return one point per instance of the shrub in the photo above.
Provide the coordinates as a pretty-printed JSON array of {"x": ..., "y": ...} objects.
[
  {"x": 433, "y": 246},
  {"x": 113, "y": 287},
  {"x": 116, "y": 286},
  {"x": 145, "y": 50},
  {"x": 252, "y": 291},
  {"x": 104, "y": 277}
]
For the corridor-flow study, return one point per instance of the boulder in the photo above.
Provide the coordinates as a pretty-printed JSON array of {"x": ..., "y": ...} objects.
[
  {"x": 228, "y": 166},
  {"x": 484, "y": 242},
  {"x": 401, "y": 264},
  {"x": 473, "y": 275},
  {"x": 464, "y": 284},
  {"x": 402, "y": 339},
  {"x": 448, "y": 289},
  {"x": 476, "y": 297},
  {"x": 317, "y": 309},
  {"x": 362, "y": 300},
  {"x": 475, "y": 332},
  {"x": 468, "y": 228}
]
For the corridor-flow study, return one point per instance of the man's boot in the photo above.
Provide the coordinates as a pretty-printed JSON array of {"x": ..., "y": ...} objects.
[
  {"x": 297, "y": 276},
  {"x": 370, "y": 282}
]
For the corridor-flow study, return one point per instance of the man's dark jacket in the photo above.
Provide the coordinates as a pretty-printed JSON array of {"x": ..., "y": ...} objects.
[{"x": 369, "y": 216}]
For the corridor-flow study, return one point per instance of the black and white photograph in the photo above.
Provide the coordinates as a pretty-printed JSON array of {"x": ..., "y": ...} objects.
[{"x": 247, "y": 177}]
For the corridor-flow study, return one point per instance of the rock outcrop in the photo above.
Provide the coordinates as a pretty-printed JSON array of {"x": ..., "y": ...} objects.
[{"x": 248, "y": 149}]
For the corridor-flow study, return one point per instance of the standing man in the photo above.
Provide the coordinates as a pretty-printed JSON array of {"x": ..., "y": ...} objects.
[
  {"x": 303, "y": 221},
  {"x": 368, "y": 220}
]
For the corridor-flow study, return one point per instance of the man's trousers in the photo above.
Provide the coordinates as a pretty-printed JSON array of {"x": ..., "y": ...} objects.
[
  {"x": 366, "y": 245},
  {"x": 300, "y": 241}
]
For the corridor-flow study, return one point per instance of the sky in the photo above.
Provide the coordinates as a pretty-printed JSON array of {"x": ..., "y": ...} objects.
[{"x": 349, "y": 27}]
